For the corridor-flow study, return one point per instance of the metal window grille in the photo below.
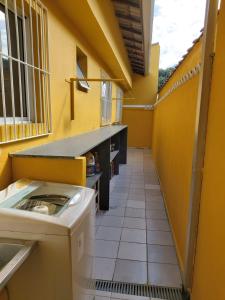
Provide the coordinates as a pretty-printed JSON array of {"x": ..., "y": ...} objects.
[
  {"x": 25, "y": 109},
  {"x": 119, "y": 104},
  {"x": 106, "y": 103}
]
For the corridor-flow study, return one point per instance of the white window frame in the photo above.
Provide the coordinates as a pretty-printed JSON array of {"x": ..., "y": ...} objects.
[
  {"x": 11, "y": 120},
  {"x": 31, "y": 69},
  {"x": 84, "y": 84},
  {"x": 119, "y": 104},
  {"x": 106, "y": 102}
]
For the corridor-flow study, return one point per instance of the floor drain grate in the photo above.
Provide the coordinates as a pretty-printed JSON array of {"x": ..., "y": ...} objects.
[{"x": 139, "y": 290}]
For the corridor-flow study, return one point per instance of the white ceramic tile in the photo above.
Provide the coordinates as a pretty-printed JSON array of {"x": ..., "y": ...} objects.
[
  {"x": 101, "y": 298},
  {"x": 98, "y": 219},
  {"x": 136, "y": 223},
  {"x": 121, "y": 180},
  {"x": 122, "y": 183},
  {"x": 164, "y": 275},
  {"x": 116, "y": 296},
  {"x": 159, "y": 238},
  {"x": 102, "y": 293},
  {"x": 107, "y": 249},
  {"x": 133, "y": 235},
  {"x": 132, "y": 251},
  {"x": 89, "y": 297},
  {"x": 130, "y": 271},
  {"x": 153, "y": 198},
  {"x": 156, "y": 214},
  {"x": 136, "y": 197},
  {"x": 108, "y": 233},
  {"x": 112, "y": 221},
  {"x": 162, "y": 254},
  {"x": 135, "y": 212},
  {"x": 154, "y": 205},
  {"x": 151, "y": 180},
  {"x": 115, "y": 211},
  {"x": 135, "y": 204},
  {"x": 162, "y": 225},
  {"x": 114, "y": 203},
  {"x": 104, "y": 268},
  {"x": 136, "y": 191},
  {"x": 115, "y": 195},
  {"x": 153, "y": 192},
  {"x": 137, "y": 179},
  {"x": 152, "y": 186}
]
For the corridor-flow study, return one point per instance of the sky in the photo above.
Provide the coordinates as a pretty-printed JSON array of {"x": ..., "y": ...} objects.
[
  {"x": 176, "y": 24},
  {"x": 3, "y": 35}
]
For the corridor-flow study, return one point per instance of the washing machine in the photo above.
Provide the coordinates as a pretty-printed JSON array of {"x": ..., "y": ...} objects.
[{"x": 61, "y": 218}]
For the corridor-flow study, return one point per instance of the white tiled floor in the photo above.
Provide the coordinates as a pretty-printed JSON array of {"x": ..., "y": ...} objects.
[{"x": 133, "y": 239}]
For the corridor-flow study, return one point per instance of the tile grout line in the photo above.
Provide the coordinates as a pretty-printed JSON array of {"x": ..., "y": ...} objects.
[
  {"x": 118, "y": 245},
  {"x": 147, "y": 265}
]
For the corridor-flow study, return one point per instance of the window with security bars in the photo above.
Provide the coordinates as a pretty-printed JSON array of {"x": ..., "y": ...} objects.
[
  {"x": 119, "y": 104},
  {"x": 106, "y": 103},
  {"x": 24, "y": 70}
]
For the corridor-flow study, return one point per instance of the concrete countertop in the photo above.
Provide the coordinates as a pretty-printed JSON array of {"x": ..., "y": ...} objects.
[{"x": 72, "y": 147}]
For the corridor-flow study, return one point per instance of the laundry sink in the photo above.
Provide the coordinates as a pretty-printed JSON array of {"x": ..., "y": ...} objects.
[{"x": 12, "y": 255}]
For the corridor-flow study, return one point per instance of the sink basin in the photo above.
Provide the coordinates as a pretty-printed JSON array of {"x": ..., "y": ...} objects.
[
  {"x": 7, "y": 252},
  {"x": 12, "y": 255}
]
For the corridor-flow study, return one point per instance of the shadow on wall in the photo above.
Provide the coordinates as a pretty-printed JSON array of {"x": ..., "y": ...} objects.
[
  {"x": 173, "y": 140},
  {"x": 144, "y": 90},
  {"x": 140, "y": 124}
]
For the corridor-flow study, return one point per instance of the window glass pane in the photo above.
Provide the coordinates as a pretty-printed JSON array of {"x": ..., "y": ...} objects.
[
  {"x": 17, "y": 81},
  {"x": 109, "y": 103},
  {"x": 13, "y": 36},
  {"x": 8, "y": 96},
  {"x": 119, "y": 104},
  {"x": 104, "y": 87},
  {"x": 18, "y": 71},
  {"x": 80, "y": 74},
  {"x": 106, "y": 99},
  {"x": 7, "y": 82},
  {"x": 3, "y": 32}
]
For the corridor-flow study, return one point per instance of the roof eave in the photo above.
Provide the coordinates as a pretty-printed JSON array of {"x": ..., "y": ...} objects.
[{"x": 148, "y": 15}]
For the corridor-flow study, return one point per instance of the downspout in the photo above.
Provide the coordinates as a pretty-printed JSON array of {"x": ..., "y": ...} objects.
[{"x": 202, "y": 108}]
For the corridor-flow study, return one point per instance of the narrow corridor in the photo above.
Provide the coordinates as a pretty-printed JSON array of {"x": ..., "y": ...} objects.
[{"x": 134, "y": 243}]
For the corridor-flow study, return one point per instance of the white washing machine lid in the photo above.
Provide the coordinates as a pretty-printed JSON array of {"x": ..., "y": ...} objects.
[{"x": 43, "y": 207}]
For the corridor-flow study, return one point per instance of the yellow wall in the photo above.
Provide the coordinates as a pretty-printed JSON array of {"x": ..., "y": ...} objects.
[
  {"x": 173, "y": 137},
  {"x": 209, "y": 274},
  {"x": 140, "y": 124},
  {"x": 3, "y": 295},
  {"x": 74, "y": 170},
  {"x": 63, "y": 39},
  {"x": 144, "y": 91},
  {"x": 96, "y": 21}
]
